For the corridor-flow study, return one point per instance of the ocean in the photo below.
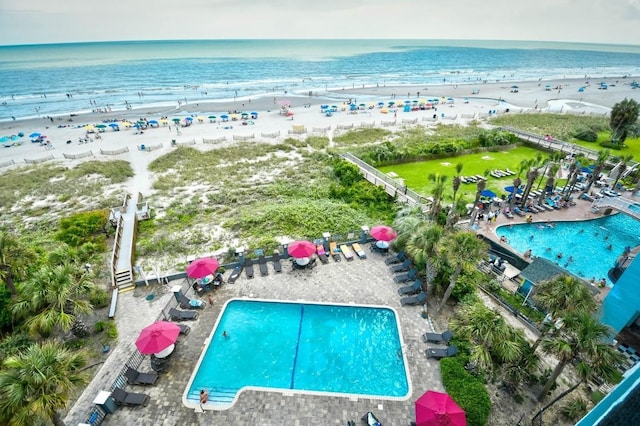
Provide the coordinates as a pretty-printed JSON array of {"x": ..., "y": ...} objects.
[{"x": 61, "y": 79}]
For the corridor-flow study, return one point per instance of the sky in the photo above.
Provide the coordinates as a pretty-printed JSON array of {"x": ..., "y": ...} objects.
[{"x": 62, "y": 21}]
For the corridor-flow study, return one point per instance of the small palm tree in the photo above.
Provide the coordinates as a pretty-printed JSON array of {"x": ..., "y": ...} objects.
[
  {"x": 600, "y": 162},
  {"x": 423, "y": 243},
  {"x": 532, "y": 174},
  {"x": 480, "y": 186},
  {"x": 36, "y": 385},
  {"x": 437, "y": 194},
  {"x": 451, "y": 219},
  {"x": 407, "y": 221},
  {"x": 464, "y": 250},
  {"x": 623, "y": 168},
  {"x": 15, "y": 257}
]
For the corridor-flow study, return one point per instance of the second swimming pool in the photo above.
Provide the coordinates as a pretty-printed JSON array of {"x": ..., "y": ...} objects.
[
  {"x": 588, "y": 248},
  {"x": 301, "y": 347}
]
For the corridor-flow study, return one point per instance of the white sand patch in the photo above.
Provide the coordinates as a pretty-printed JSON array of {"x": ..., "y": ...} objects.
[
  {"x": 445, "y": 164},
  {"x": 486, "y": 157}
]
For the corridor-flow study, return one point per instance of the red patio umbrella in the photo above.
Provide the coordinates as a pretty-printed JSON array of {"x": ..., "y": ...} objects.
[
  {"x": 383, "y": 233},
  {"x": 202, "y": 267},
  {"x": 157, "y": 337},
  {"x": 439, "y": 409},
  {"x": 300, "y": 249}
]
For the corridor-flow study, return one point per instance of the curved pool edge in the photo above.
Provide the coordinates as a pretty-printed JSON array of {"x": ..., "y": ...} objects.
[{"x": 195, "y": 404}]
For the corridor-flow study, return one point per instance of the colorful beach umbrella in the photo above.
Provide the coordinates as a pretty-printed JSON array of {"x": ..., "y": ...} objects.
[
  {"x": 383, "y": 233},
  {"x": 300, "y": 249},
  {"x": 101, "y": 126},
  {"x": 202, "y": 267},
  {"x": 35, "y": 135},
  {"x": 156, "y": 337},
  {"x": 439, "y": 409}
]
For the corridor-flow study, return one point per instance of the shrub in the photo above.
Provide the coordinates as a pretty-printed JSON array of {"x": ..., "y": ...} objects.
[
  {"x": 586, "y": 135},
  {"x": 99, "y": 298},
  {"x": 467, "y": 390},
  {"x": 111, "y": 330},
  {"x": 99, "y": 326},
  {"x": 574, "y": 409},
  {"x": 81, "y": 228}
]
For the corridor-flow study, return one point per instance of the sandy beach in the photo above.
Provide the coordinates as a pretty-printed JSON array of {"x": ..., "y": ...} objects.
[{"x": 458, "y": 104}]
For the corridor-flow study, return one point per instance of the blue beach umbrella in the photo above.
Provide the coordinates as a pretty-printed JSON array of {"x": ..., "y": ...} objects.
[
  {"x": 35, "y": 135},
  {"x": 488, "y": 193},
  {"x": 510, "y": 189},
  {"x": 4, "y": 139}
]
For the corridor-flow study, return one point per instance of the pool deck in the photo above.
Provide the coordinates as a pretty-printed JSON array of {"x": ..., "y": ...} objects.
[{"x": 367, "y": 281}]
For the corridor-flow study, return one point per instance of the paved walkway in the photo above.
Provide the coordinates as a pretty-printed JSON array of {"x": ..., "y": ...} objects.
[{"x": 359, "y": 281}]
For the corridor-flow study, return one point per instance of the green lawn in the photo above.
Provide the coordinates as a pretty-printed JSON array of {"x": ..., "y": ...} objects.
[
  {"x": 632, "y": 145},
  {"x": 415, "y": 175}
]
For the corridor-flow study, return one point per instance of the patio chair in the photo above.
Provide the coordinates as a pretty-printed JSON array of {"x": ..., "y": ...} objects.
[
  {"x": 322, "y": 255},
  {"x": 347, "y": 252},
  {"x": 359, "y": 251},
  {"x": 184, "y": 329},
  {"x": 277, "y": 266},
  {"x": 134, "y": 377},
  {"x": 414, "y": 288},
  {"x": 248, "y": 268},
  {"x": 401, "y": 278},
  {"x": 333, "y": 249},
  {"x": 186, "y": 303},
  {"x": 178, "y": 315},
  {"x": 398, "y": 258},
  {"x": 129, "y": 399},
  {"x": 235, "y": 274},
  {"x": 438, "y": 337},
  {"x": 404, "y": 266},
  {"x": 414, "y": 300},
  {"x": 262, "y": 264},
  {"x": 370, "y": 419},
  {"x": 439, "y": 353}
]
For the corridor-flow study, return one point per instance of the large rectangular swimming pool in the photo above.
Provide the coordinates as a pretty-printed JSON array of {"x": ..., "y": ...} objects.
[{"x": 301, "y": 347}]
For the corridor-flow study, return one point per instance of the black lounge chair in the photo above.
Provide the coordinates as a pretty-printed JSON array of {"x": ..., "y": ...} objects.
[
  {"x": 134, "y": 377},
  {"x": 370, "y": 419},
  {"x": 235, "y": 274},
  {"x": 414, "y": 288},
  {"x": 404, "y": 266},
  {"x": 414, "y": 300},
  {"x": 411, "y": 275},
  {"x": 248, "y": 268},
  {"x": 178, "y": 315},
  {"x": 158, "y": 364},
  {"x": 438, "y": 337},
  {"x": 439, "y": 353},
  {"x": 277, "y": 266},
  {"x": 184, "y": 329},
  {"x": 129, "y": 399},
  {"x": 262, "y": 263},
  {"x": 186, "y": 303},
  {"x": 398, "y": 258}
]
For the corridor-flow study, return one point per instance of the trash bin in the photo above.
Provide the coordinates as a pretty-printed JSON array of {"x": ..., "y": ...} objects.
[
  {"x": 105, "y": 402},
  {"x": 173, "y": 142},
  {"x": 142, "y": 147}
]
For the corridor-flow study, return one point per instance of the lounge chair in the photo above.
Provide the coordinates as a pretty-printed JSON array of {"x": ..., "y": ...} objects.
[
  {"x": 370, "y": 420},
  {"x": 414, "y": 300},
  {"x": 358, "y": 249},
  {"x": 277, "y": 266},
  {"x": 262, "y": 263},
  {"x": 414, "y": 288},
  {"x": 347, "y": 252},
  {"x": 248, "y": 268},
  {"x": 184, "y": 329},
  {"x": 322, "y": 255},
  {"x": 438, "y": 337},
  {"x": 134, "y": 377},
  {"x": 398, "y": 258},
  {"x": 333, "y": 249},
  {"x": 403, "y": 267},
  {"x": 235, "y": 274},
  {"x": 178, "y": 315},
  {"x": 130, "y": 399},
  {"x": 401, "y": 278},
  {"x": 439, "y": 353},
  {"x": 186, "y": 303},
  {"x": 517, "y": 211}
]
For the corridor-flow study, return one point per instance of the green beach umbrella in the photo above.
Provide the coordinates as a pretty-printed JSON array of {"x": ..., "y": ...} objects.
[{"x": 101, "y": 126}]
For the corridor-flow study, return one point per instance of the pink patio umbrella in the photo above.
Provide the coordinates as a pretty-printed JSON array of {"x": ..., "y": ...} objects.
[
  {"x": 383, "y": 233},
  {"x": 202, "y": 267},
  {"x": 301, "y": 249},
  {"x": 439, "y": 409},
  {"x": 157, "y": 337}
]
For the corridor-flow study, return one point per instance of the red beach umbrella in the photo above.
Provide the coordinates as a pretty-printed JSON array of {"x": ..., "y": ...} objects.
[
  {"x": 202, "y": 267},
  {"x": 157, "y": 337},
  {"x": 439, "y": 409},
  {"x": 383, "y": 233},
  {"x": 300, "y": 249}
]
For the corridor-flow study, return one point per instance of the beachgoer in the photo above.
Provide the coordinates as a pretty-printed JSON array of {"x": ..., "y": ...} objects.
[
  {"x": 610, "y": 247},
  {"x": 210, "y": 298},
  {"x": 559, "y": 255},
  {"x": 503, "y": 239},
  {"x": 602, "y": 282},
  {"x": 527, "y": 254},
  {"x": 224, "y": 334},
  {"x": 204, "y": 396}
]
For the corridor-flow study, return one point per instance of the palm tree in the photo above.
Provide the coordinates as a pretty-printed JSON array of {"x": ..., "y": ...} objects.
[
  {"x": 623, "y": 115},
  {"x": 532, "y": 175},
  {"x": 456, "y": 186},
  {"x": 438, "y": 193},
  {"x": 600, "y": 162},
  {"x": 465, "y": 250},
  {"x": 37, "y": 383},
  {"x": 554, "y": 158},
  {"x": 551, "y": 178},
  {"x": 54, "y": 296},
  {"x": 492, "y": 339},
  {"x": 422, "y": 246},
  {"x": 583, "y": 339},
  {"x": 407, "y": 221},
  {"x": 622, "y": 168},
  {"x": 480, "y": 186},
  {"x": 560, "y": 296},
  {"x": 517, "y": 181},
  {"x": 15, "y": 257}
]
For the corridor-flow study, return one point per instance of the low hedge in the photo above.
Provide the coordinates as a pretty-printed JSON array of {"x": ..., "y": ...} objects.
[{"x": 467, "y": 390}]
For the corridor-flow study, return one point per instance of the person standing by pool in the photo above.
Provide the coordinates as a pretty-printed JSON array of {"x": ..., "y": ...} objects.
[{"x": 204, "y": 396}]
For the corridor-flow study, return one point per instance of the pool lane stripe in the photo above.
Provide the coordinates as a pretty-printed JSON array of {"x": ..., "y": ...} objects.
[{"x": 295, "y": 358}]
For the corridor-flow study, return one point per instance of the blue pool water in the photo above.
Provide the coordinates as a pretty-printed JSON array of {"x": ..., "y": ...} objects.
[
  {"x": 587, "y": 242},
  {"x": 301, "y": 347}
]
